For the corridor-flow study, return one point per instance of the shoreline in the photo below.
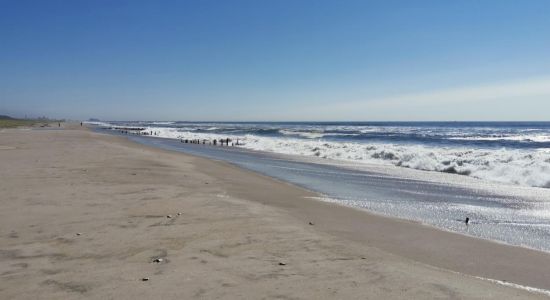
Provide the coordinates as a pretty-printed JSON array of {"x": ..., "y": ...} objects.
[
  {"x": 402, "y": 254},
  {"x": 459, "y": 189},
  {"x": 458, "y": 247},
  {"x": 457, "y": 244}
]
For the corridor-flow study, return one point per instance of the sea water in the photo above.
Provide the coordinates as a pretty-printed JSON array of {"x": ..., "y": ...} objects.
[{"x": 497, "y": 174}]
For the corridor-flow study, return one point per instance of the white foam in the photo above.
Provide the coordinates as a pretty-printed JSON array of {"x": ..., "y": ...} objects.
[
  {"x": 305, "y": 134},
  {"x": 97, "y": 123},
  {"x": 516, "y": 286},
  {"x": 163, "y": 122},
  {"x": 539, "y": 138}
]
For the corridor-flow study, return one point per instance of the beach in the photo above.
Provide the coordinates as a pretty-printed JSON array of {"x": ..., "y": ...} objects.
[{"x": 96, "y": 216}]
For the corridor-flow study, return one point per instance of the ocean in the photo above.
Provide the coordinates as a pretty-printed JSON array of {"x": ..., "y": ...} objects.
[{"x": 438, "y": 174}]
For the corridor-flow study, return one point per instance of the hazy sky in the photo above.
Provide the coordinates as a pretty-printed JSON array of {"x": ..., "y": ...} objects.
[{"x": 276, "y": 60}]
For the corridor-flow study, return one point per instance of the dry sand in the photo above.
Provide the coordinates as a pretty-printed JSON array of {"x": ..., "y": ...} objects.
[{"x": 83, "y": 215}]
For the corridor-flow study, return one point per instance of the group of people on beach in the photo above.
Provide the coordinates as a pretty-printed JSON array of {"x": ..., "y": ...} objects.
[
  {"x": 214, "y": 142},
  {"x": 138, "y": 131}
]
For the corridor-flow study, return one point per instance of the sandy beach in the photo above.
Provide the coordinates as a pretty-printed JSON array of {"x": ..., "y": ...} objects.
[{"x": 88, "y": 215}]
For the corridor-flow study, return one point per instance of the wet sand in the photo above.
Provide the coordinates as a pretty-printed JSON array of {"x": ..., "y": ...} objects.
[{"x": 84, "y": 215}]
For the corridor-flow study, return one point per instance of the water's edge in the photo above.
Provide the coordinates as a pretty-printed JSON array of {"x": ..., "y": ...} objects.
[
  {"x": 196, "y": 150},
  {"x": 505, "y": 217}
]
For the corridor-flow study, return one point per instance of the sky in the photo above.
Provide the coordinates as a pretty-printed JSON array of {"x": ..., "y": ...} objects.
[{"x": 277, "y": 60}]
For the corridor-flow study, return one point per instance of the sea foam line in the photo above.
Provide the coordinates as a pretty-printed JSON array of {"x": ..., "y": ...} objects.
[{"x": 516, "y": 286}]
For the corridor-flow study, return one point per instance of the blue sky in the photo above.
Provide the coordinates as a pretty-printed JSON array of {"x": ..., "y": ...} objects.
[{"x": 276, "y": 60}]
